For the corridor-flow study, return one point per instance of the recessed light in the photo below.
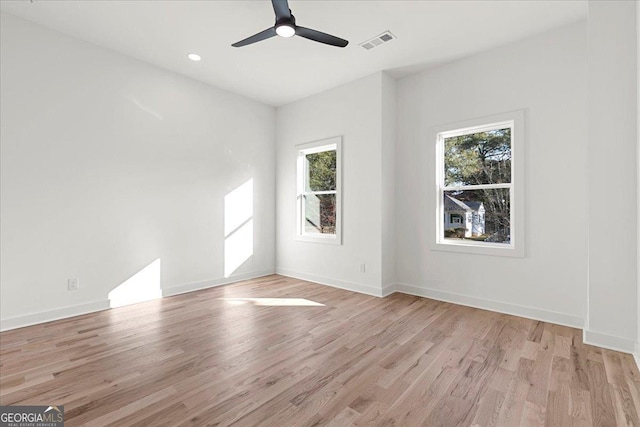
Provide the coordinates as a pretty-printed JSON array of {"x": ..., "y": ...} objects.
[{"x": 194, "y": 57}]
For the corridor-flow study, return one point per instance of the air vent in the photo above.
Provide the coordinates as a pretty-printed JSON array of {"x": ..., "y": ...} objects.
[{"x": 378, "y": 40}]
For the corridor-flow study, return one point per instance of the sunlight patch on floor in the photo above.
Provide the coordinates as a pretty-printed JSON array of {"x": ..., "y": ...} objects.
[{"x": 273, "y": 302}]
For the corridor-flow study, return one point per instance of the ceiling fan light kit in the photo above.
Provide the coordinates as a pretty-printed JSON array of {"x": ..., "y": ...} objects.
[
  {"x": 286, "y": 27},
  {"x": 285, "y": 30}
]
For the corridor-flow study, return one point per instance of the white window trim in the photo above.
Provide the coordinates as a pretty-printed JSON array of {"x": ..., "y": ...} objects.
[
  {"x": 515, "y": 120},
  {"x": 301, "y": 151}
]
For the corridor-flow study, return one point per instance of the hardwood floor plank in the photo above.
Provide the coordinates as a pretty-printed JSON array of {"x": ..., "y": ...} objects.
[
  {"x": 580, "y": 407},
  {"x": 559, "y": 396},
  {"x": 601, "y": 395},
  {"x": 488, "y": 408}
]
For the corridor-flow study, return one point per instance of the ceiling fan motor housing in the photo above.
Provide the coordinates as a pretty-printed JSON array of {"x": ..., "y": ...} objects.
[{"x": 291, "y": 22}]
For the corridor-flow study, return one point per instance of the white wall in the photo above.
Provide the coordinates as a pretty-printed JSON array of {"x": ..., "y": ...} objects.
[
  {"x": 612, "y": 295},
  {"x": 109, "y": 164},
  {"x": 546, "y": 76},
  {"x": 353, "y": 111}
]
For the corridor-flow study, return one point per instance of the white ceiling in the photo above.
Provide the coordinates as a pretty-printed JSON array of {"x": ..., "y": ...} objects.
[{"x": 278, "y": 71}]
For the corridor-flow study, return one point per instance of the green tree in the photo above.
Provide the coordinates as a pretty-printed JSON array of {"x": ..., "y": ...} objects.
[
  {"x": 321, "y": 169},
  {"x": 479, "y": 158}
]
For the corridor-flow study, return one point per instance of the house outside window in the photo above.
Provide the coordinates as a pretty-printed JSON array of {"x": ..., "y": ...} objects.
[
  {"x": 318, "y": 200},
  {"x": 479, "y": 186}
]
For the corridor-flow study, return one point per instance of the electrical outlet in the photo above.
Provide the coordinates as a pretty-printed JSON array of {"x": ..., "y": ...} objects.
[
  {"x": 73, "y": 284},
  {"x": 363, "y": 268}
]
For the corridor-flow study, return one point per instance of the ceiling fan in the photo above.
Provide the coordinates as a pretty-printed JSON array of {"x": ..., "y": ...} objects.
[{"x": 285, "y": 26}]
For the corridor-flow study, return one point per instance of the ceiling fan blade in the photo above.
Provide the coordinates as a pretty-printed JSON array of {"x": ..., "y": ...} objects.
[
  {"x": 262, "y": 35},
  {"x": 281, "y": 8},
  {"x": 321, "y": 37}
]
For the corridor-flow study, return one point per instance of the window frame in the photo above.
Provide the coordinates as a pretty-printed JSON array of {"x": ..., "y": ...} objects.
[
  {"x": 329, "y": 144},
  {"x": 515, "y": 121}
]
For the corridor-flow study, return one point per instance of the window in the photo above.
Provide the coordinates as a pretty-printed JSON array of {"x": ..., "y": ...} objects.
[
  {"x": 318, "y": 195},
  {"x": 479, "y": 201}
]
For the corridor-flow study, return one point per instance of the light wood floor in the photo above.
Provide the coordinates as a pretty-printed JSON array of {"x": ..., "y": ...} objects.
[{"x": 257, "y": 352}]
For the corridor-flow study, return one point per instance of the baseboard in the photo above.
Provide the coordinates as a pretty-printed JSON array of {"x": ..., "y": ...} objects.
[
  {"x": 341, "y": 284},
  {"x": 485, "y": 304},
  {"x": 92, "y": 307},
  {"x": 388, "y": 289},
  {"x": 636, "y": 354},
  {"x": 610, "y": 342},
  {"x": 492, "y": 305},
  {"x": 51, "y": 315},
  {"x": 205, "y": 284}
]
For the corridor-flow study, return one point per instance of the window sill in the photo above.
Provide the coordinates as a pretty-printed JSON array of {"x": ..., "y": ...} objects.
[
  {"x": 333, "y": 240},
  {"x": 497, "y": 249}
]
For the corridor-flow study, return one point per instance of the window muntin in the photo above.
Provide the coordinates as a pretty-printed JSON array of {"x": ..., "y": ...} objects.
[
  {"x": 475, "y": 182},
  {"x": 318, "y": 197}
]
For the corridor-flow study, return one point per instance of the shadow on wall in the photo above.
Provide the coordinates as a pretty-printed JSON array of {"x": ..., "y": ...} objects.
[
  {"x": 142, "y": 286},
  {"x": 238, "y": 227}
]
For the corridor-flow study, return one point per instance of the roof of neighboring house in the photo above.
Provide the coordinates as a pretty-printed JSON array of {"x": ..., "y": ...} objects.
[
  {"x": 453, "y": 204},
  {"x": 474, "y": 205}
]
